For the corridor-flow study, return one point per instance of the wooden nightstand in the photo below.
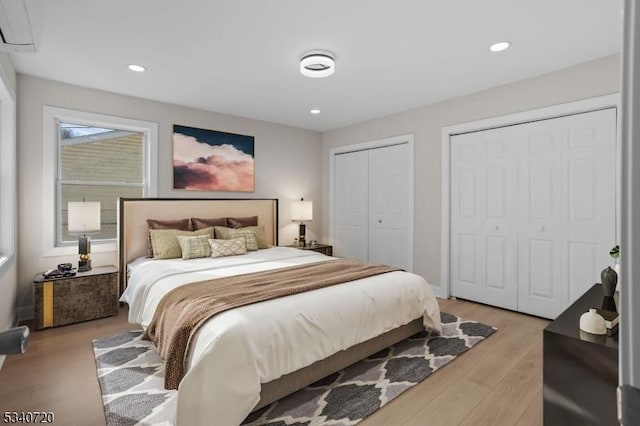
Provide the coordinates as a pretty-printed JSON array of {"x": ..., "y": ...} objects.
[
  {"x": 325, "y": 249},
  {"x": 86, "y": 296}
]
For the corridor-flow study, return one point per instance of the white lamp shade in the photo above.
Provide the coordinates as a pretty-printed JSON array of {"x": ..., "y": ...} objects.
[
  {"x": 302, "y": 211},
  {"x": 84, "y": 217}
]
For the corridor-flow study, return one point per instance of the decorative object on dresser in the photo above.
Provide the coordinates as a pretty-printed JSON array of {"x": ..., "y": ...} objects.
[
  {"x": 592, "y": 322},
  {"x": 67, "y": 300},
  {"x": 580, "y": 370},
  {"x": 609, "y": 281},
  {"x": 208, "y": 160},
  {"x": 615, "y": 255},
  {"x": 83, "y": 219},
  {"x": 302, "y": 211},
  {"x": 325, "y": 249}
]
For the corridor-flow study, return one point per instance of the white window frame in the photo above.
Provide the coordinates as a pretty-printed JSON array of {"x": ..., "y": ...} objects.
[
  {"x": 51, "y": 116},
  {"x": 8, "y": 174}
]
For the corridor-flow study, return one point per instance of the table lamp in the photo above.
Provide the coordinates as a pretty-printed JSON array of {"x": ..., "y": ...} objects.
[
  {"x": 302, "y": 211},
  {"x": 84, "y": 218}
]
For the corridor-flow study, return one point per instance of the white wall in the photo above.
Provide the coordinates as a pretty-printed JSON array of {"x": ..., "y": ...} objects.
[
  {"x": 587, "y": 80},
  {"x": 287, "y": 165},
  {"x": 8, "y": 271}
]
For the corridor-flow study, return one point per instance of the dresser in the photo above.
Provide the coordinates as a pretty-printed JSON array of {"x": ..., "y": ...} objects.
[{"x": 580, "y": 372}]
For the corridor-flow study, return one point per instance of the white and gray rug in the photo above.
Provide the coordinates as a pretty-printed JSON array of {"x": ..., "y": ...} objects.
[{"x": 131, "y": 377}]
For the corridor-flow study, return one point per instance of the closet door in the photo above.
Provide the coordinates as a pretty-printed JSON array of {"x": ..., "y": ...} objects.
[
  {"x": 541, "y": 290},
  {"x": 484, "y": 217},
  {"x": 567, "y": 208},
  {"x": 389, "y": 204},
  {"x": 351, "y": 210}
]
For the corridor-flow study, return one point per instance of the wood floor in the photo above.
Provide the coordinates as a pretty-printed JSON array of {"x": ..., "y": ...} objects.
[{"x": 498, "y": 382}]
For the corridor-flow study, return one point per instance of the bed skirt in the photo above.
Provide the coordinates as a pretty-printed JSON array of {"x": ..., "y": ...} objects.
[{"x": 289, "y": 383}]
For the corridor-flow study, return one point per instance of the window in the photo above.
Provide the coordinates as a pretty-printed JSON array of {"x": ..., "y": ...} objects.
[
  {"x": 97, "y": 164},
  {"x": 97, "y": 158},
  {"x": 7, "y": 173}
]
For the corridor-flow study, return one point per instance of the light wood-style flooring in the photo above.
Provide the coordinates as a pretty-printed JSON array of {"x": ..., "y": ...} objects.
[{"x": 498, "y": 382}]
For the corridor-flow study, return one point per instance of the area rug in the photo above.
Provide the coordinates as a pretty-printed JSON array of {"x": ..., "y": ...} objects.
[{"x": 131, "y": 377}]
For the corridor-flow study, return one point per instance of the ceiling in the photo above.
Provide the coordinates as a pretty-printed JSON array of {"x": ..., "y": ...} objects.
[{"x": 241, "y": 57}]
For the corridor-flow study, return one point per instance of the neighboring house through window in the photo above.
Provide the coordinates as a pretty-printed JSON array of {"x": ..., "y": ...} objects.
[{"x": 97, "y": 158}]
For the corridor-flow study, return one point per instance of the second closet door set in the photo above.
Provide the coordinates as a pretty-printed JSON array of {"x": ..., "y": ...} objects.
[
  {"x": 533, "y": 210},
  {"x": 372, "y": 205}
]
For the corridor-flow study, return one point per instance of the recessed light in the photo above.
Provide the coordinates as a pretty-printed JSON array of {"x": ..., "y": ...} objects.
[
  {"x": 315, "y": 111},
  {"x": 500, "y": 46},
  {"x": 137, "y": 68},
  {"x": 317, "y": 65}
]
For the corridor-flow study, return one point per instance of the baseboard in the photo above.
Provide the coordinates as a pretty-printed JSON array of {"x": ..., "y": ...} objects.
[
  {"x": 439, "y": 292},
  {"x": 24, "y": 313}
]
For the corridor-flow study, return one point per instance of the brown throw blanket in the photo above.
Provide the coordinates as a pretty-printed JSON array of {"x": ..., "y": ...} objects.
[{"x": 182, "y": 311}]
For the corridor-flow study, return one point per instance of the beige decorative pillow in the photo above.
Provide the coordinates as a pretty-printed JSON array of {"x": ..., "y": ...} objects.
[
  {"x": 224, "y": 233},
  {"x": 165, "y": 242},
  {"x": 249, "y": 236},
  {"x": 232, "y": 247},
  {"x": 194, "y": 246},
  {"x": 182, "y": 224}
]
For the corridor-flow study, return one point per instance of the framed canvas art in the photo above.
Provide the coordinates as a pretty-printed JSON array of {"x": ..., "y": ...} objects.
[{"x": 208, "y": 160}]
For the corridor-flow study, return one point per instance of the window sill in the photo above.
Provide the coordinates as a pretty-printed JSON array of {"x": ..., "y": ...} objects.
[
  {"x": 6, "y": 262},
  {"x": 73, "y": 249}
]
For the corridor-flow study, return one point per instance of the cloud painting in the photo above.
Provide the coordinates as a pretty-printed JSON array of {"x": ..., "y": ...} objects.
[{"x": 207, "y": 160}]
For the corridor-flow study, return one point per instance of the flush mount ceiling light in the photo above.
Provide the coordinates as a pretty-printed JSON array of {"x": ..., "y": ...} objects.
[
  {"x": 315, "y": 111},
  {"x": 500, "y": 46},
  {"x": 137, "y": 68},
  {"x": 317, "y": 65}
]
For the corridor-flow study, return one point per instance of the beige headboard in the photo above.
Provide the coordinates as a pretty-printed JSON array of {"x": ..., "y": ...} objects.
[{"x": 133, "y": 213}]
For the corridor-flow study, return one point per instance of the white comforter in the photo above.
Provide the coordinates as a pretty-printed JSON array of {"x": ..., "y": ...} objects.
[{"x": 237, "y": 350}]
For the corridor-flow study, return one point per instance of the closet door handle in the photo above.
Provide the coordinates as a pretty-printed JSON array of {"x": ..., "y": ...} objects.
[{"x": 497, "y": 228}]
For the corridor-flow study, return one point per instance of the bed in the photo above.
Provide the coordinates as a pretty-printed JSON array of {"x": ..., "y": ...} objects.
[{"x": 248, "y": 357}]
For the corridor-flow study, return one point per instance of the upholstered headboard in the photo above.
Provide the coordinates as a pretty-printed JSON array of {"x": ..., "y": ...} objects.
[{"x": 134, "y": 212}]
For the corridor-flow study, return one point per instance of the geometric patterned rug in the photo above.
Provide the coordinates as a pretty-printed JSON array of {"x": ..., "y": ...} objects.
[{"x": 131, "y": 377}]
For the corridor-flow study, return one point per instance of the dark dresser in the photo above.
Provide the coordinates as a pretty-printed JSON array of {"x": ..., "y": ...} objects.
[
  {"x": 85, "y": 296},
  {"x": 580, "y": 372}
]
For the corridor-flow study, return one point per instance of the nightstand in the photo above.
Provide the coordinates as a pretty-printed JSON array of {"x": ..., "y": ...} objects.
[
  {"x": 325, "y": 249},
  {"x": 85, "y": 296}
]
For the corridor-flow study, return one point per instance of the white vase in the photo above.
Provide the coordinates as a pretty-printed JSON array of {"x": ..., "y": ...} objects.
[
  {"x": 616, "y": 268},
  {"x": 592, "y": 322}
]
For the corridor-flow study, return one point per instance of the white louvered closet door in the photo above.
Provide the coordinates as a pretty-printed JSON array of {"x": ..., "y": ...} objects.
[{"x": 484, "y": 217}]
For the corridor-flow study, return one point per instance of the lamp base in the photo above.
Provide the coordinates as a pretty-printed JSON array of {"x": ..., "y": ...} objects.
[
  {"x": 302, "y": 230},
  {"x": 84, "y": 249}
]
